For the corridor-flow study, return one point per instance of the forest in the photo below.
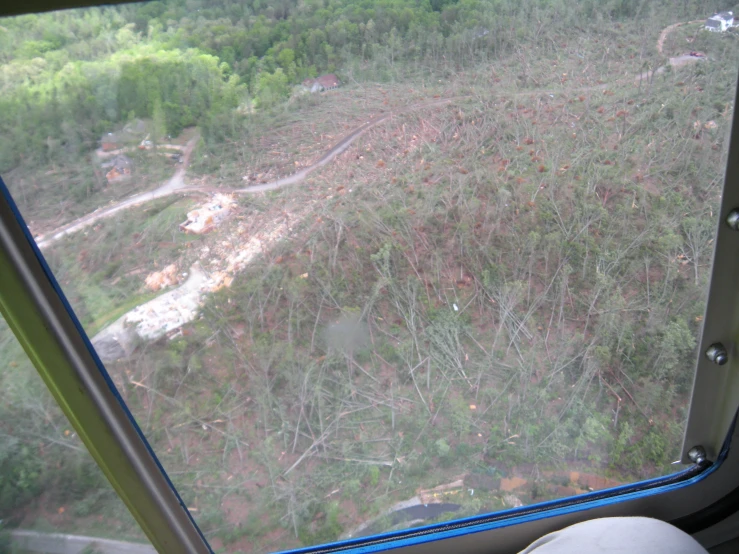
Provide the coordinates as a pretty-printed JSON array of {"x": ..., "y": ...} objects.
[{"x": 489, "y": 296}]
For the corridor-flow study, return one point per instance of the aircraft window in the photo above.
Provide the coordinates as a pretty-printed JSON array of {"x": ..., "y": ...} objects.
[
  {"x": 358, "y": 267},
  {"x": 50, "y": 486}
]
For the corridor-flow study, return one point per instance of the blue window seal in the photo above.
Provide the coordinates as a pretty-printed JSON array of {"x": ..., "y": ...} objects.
[{"x": 487, "y": 522}]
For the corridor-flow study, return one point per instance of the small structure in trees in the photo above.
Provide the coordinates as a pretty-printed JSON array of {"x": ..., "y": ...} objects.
[
  {"x": 133, "y": 129},
  {"x": 119, "y": 168},
  {"x": 109, "y": 142},
  {"x": 322, "y": 83},
  {"x": 720, "y": 22}
]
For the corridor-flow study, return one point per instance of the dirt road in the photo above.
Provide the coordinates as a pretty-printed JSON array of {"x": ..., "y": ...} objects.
[
  {"x": 667, "y": 30},
  {"x": 172, "y": 185},
  {"x": 102, "y": 154},
  {"x": 176, "y": 183},
  {"x": 336, "y": 149}
]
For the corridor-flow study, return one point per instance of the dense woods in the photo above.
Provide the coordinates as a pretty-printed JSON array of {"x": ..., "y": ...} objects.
[{"x": 503, "y": 281}]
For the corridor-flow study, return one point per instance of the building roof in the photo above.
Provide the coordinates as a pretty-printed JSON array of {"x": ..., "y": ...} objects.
[
  {"x": 109, "y": 137},
  {"x": 721, "y": 16},
  {"x": 713, "y": 22},
  {"x": 135, "y": 127},
  {"x": 119, "y": 162},
  {"x": 328, "y": 81}
]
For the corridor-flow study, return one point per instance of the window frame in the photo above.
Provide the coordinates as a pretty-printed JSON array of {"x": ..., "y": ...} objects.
[
  {"x": 39, "y": 315},
  {"x": 695, "y": 500},
  {"x": 715, "y": 395}
]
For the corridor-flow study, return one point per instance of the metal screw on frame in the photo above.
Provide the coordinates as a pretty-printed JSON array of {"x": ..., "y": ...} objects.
[
  {"x": 697, "y": 454},
  {"x": 732, "y": 220},
  {"x": 717, "y": 354}
]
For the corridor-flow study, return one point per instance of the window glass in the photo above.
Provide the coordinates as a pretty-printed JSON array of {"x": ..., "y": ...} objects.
[
  {"x": 361, "y": 266},
  {"x": 49, "y": 483}
]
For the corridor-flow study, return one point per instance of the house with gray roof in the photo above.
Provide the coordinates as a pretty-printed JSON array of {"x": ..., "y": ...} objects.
[
  {"x": 720, "y": 22},
  {"x": 322, "y": 83}
]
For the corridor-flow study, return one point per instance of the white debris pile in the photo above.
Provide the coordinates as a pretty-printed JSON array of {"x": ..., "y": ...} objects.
[
  {"x": 255, "y": 246},
  {"x": 209, "y": 215},
  {"x": 176, "y": 307},
  {"x": 172, "y": 309},
  {"x": 162, "y": 279},
  {"x": 220, "y": 279}
]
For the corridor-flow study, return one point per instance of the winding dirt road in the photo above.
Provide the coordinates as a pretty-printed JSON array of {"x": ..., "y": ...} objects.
[
  {"x": 667, "y": 30},
  {"x": 172, "y": 185},
  {"x": 176, "y": 183}
]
